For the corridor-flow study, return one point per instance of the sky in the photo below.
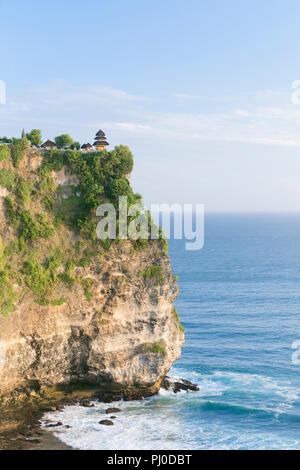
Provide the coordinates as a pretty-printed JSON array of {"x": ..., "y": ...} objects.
[{"x": 201, "y": 91}]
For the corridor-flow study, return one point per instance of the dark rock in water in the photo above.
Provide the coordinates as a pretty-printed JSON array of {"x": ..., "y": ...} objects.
[
  {"x": 54, "y": 425},
  {"x": 106, "y": 422},
  {"x": 166, "y": 384},
  {"x": 112, "y": 410},
  {"x": 178, "y": 386},
  {"x": 86, "y": 403},
  {"x": 112, "y": 417}
]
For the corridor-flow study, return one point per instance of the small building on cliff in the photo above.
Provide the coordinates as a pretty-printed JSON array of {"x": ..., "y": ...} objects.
[
  {"x": 48, "y": 145},
  {"x": 100, "y": 141}
]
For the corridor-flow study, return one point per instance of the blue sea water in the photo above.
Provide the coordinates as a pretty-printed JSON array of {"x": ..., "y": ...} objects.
[{"x": 240, "y": 304}]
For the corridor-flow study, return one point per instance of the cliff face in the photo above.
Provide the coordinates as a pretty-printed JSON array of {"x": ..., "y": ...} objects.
[
  {"x": 114, "y": 328},
  {"x": 127, "y": 337}
]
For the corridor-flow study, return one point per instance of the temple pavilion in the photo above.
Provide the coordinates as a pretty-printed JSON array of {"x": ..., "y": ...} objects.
[{"x": 100, "y": 141}]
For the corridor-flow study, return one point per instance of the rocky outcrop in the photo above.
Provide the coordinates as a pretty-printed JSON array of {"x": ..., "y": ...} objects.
[
  {"x": 124, "y": 340},
  {"x": 121, "y": 339}
]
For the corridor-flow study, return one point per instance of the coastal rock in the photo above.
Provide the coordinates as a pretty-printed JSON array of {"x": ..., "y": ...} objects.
[
  {"x": 86, "y": 403},
  {"x": 118, "y": 338},
  {"x": 178, "y": 385},
  {"x": 54, "y": 425},
  {"x": 106, "y": 422},
  {"x": 112, "y": 410}
]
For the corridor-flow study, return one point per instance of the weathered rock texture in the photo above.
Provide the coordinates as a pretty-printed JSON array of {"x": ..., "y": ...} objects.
[
  {"x": 127, "y": 337},
  {"x": 123, "y": 340}
]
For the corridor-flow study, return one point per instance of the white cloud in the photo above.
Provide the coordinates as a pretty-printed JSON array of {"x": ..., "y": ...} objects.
[{"x": 266, "y": 118}]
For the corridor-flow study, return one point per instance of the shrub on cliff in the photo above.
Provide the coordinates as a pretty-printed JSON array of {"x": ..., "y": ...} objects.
[
  {"x": 18, "y": 147},
  {"x": 4, "y": 152},
  {"x": 28, "y": 226},
  {"x": 63, "y": 141},
  {"x": 117, "y": 187}
]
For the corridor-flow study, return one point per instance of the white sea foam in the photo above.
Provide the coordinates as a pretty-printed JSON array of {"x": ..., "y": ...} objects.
[
  {"x": 186, "y": 420},
  {"x": 136, "y": 427}
]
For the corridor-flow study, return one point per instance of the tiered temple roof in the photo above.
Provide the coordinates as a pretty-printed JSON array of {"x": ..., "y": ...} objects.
[
  {"x": 100, "y": 140},
  {"x": 87, "y": 147}
]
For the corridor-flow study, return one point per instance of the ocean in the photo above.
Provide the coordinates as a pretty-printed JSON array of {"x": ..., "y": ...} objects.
[{"x": 240, "y": 304}]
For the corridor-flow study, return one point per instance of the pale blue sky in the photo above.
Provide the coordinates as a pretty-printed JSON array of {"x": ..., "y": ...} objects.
[{"x": 200, "y": 90}]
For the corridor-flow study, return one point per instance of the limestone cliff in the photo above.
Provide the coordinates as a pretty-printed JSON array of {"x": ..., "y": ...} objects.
[{"x": 75, "y": 312}]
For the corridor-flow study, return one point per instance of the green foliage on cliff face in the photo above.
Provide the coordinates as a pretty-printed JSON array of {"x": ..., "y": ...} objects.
[
  {"x": 1, "y": 253},
  {"x": 156, "y": 348},
  {"x": 4, "y": 152},
  {"x": 18, "y": 147},
  {"x": 7, "y": 294},
  {"x": 180, "y": 326},
  {"x": 47, "y": 188},
  {"x": 41, "y": 278},
  {"x": 59, "y": 302},
  {"x": 8, "y": 179},
  {"x": 38, "y": 210},
  {"x": 16, "y": 185},
  {"x": 154, "y": 272},
  {"x": 28, "y": 226},
  {"x": 117, "y": 187},
  {"x": 101, "y": 177}
]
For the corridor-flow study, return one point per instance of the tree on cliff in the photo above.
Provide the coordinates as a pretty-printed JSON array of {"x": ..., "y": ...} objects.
[
  {"x": 75, "y": 146},
  {"x": 35, "y": 137},
  {"x": 63, "y": 141}
]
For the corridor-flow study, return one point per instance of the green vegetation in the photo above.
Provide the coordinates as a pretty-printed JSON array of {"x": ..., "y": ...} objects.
[
  {"x": 5, "y": 140},
  {"x": 18, "y": 147},
  {"x": 37, "y": 254},
  {"x": 87, "y": 284},
  {"x": 16, "y": 185},
  {"x": 7, "y": 307},
  {"x": 4, "y": 152},
  {"x": 35, "y": 137},
  {"x": 7, "y": 295},
  {"x": 8, "y": 180},
  {"x": 11, "y": 249},
  {"x": 75, "y": 146},
  {"x": 154, "y": 272},
  {"x": 164, "y": 243},
  {"x": 156, "y": 347},
  {"x": 59, "y": 302},
  {"x": 63, "y": 141},
  {"x": 180, "y": 326},
  {"x": 101, "y": 178},
  {"x": 41, "y": 278},
  {"x": 28, "y": 226},
  {"x": 1, "y": 253}
]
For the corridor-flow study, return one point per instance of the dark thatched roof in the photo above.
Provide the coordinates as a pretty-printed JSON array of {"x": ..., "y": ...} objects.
[
  {"x": 99, "y": 143},
  {"x": 100, "y": 134},
  {"x": 83, "y": 146},
  {"x": 88, "y": 146},
  {"x": 48, "y": 144}
]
